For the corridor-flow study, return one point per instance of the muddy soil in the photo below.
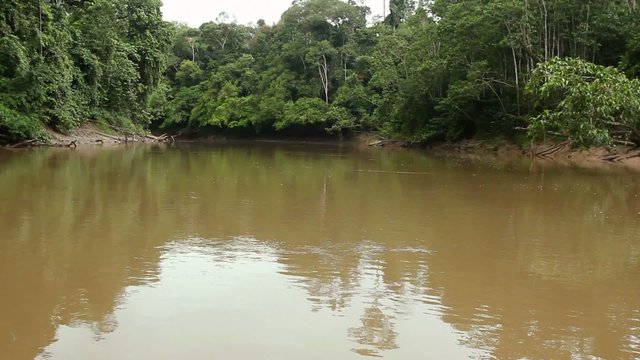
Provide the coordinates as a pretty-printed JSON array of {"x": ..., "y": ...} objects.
[
  {"x": 90, "y": 134},
  {"x": 546, "y": 154}
]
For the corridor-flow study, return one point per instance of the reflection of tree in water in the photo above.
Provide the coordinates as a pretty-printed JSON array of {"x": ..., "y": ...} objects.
[
  {"x": 376, "y": 333},
  {"x": 105, "y": 326},
  {"x": 71, "y": 265},
  {"x": 546, "y": 277},
  {"x": 553, "y": 272},
  {"x": 328, "y": 275},
  {"x": 339, "y": 276},
  {"x": 392, "y": 277}
]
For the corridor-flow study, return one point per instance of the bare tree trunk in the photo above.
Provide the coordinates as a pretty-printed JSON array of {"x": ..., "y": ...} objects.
[
  {"x": 40, "y": 25},
  {"x": 632, "y": 4},
  {"x": 345, "y": 72},
  {"x": 517, "y": 75},
  {"x": 545, "y": 16},
  {"x": 222, "y": 42},
  {"x": 324, "y": 78},
  {"x": 384, "y": 9},
  {"x": 586, "y": 32},
  {"x": 304, "y": 63},
  {"x": 344, "y": 59}
]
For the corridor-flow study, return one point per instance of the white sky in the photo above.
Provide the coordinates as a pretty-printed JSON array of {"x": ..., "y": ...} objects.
[{"x": 196, "y": 12}]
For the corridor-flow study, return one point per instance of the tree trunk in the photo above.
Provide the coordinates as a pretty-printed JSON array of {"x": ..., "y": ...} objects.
[
  {"x": 324, "y": 77},
  {"x": 40, "y": 25}
]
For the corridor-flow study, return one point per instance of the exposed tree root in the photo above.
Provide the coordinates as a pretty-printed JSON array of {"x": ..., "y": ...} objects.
[
  {"x": 620, "y": 157},
  {"x": 548, "y": 152}
]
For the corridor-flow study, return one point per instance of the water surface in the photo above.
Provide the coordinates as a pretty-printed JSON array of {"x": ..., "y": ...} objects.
[{"x": 303, "y": 251}]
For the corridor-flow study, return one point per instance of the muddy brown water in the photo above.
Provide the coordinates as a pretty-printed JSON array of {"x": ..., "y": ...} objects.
[{"x": 303, "y": 251}]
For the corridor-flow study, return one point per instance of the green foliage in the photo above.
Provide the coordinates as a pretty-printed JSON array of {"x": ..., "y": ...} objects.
[
  {"x": 436, "y": 70},
  {"x": 631, "y": 58},
  {"x": 446, "y": 71},
  {"x": 18, "y": 126},
  {"x": 178, "y": 109},
  {"x": 304, "y": 111},
  {"x": 189, "y": 73},
  {"x": 592, "y": 104},
  {"x": 13, "y": 57},
  {"x": 358, "y": 100},
  {"x": 63, "y": 63}
]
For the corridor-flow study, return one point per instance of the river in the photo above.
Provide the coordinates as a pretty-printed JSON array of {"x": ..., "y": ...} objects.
[{"x": 313, "y": 251}]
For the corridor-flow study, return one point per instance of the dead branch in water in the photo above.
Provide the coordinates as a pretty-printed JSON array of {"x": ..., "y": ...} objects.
[
  {"x": 23, "y": 143},
  {"x": 161, "y": 138},
  {"x": 384, "y": 142}
]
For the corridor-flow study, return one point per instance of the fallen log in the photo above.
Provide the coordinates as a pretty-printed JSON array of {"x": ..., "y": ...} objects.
[
  {"x": 612, "y": 158},
  {"x": 107, "y": 135},
  {"x": 382, "y": 143},
  {"x": 620, "y": 157},
  {"x": 23, "y": 143},
  {"x": 160, "y": 138},
  {"x": 631, "y": 156},
  {"x": 623, "y": 142}
]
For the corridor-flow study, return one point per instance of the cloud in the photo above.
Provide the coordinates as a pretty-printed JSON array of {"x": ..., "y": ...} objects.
[{"x": 196, "y": 12}]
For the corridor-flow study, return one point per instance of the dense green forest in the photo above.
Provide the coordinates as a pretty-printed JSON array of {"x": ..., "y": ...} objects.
[{"x": 430, "y": 71}]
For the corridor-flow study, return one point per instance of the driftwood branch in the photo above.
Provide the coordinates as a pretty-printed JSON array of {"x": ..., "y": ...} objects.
[
  {"x": 382, "y": 143},
  {"x": 623, "y": 142},
  {"x": 620, "y": 157},
  {"x": 162, "y": 137},
  {"x": 107, "y": 135},
  {"x": 621, "y": 125},
  {"x": 23, "y": 143},
  {"x": 554, "y": 149}
]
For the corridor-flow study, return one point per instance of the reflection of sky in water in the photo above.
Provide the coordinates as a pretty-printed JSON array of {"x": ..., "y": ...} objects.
[{"x": 236, "y": 300}]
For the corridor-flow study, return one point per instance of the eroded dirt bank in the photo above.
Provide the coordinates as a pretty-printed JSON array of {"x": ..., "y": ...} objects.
[
  {"x": 552, "y": 154},
  {"x": 90, "y": 134},
  {"x": 544, "y": 154}
]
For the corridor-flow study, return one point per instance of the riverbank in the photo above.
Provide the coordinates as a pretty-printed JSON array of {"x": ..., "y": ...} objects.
[
  {"x": 90, "y": 134},
  {"x": 549, "y": 153},
  {"x": 545, "y": 154}
]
